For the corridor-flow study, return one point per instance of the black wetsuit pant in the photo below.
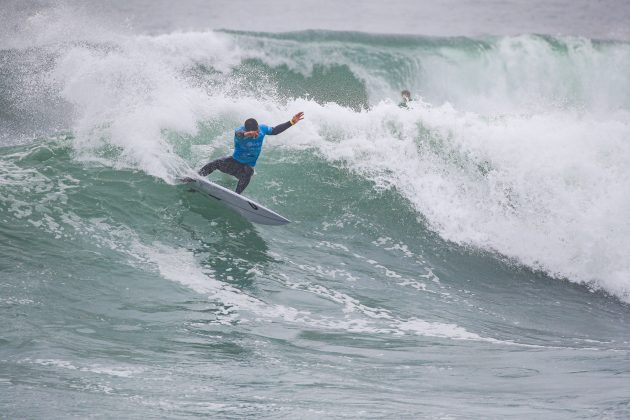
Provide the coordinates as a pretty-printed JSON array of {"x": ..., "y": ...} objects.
[{"x": 233, "y": 167}]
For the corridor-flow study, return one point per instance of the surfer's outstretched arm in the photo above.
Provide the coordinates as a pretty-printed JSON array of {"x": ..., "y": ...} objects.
[{"x": 281, "y": 127}]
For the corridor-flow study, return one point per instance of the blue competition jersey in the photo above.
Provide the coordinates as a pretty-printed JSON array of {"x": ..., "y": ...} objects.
[{"x": 247, "y": 149}]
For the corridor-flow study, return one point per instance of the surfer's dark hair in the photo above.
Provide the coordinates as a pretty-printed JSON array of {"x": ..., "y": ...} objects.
[{"x": 251, "y": 125}]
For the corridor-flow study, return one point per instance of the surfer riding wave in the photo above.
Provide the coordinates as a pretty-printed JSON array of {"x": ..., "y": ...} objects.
[{"x": 248, "y": 141}]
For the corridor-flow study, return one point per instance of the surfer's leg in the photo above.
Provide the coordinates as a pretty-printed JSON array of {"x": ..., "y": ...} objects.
[
  {"x": 232, "y": 167},
  {"x": 244, "y": 175},
  {"x": 214, "y": 165}
]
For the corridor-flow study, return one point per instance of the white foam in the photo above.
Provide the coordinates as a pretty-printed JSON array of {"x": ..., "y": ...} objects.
[
  {"x": 119, "y": 371},
  {"x": 549, "y": 190},
  {"x": 128, "y": 95},
  {"x": 360, "y": 318},
  {"x": 437, "y": 329}
]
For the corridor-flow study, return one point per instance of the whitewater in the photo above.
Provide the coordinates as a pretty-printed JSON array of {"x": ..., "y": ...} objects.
[{"x": 465, "y": 256}]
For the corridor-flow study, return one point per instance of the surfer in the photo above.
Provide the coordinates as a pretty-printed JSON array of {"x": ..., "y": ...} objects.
[
  {"x": 406, "y": 98},
  {"x": 248, "y": 140}
]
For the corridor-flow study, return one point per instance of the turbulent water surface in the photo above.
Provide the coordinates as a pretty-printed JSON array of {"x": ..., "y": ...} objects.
[{"x": 466, "y": 256}]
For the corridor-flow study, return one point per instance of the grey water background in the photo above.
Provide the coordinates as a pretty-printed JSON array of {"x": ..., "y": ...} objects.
[
  {"x": 606, "y": 19},
  {"x": 463, "y": 258}
]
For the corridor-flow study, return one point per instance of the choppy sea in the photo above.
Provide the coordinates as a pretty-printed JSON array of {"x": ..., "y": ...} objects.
[{"x": 467, "y": 256}]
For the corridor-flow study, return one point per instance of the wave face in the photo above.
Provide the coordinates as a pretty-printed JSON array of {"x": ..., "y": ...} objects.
[
  {"x": 461, "y": 219},
  {"x": 517, "y": 146}
]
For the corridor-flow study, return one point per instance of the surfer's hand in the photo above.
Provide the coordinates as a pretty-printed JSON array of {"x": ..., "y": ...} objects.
[
  {"x": 297, "y": 117},
  {"x": 253, "y": 133}
]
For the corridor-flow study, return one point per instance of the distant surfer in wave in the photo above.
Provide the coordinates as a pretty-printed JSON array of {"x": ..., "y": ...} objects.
[
  {"x": 248, "y": 140},
  {"x": 406, "y": 98}
]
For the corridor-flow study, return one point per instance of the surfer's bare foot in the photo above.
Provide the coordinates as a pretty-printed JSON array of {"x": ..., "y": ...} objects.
[{"x": 187, "y": 179}]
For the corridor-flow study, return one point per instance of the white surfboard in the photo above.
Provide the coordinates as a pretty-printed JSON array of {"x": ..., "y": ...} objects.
[{"x": 247, "y": 208}]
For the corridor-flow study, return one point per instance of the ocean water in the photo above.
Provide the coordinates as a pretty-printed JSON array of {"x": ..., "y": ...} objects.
[{"x": 465, "y": 257}]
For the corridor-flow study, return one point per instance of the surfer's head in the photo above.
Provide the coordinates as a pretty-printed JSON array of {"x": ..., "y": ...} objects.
[{"x": 251, "y": 125}]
